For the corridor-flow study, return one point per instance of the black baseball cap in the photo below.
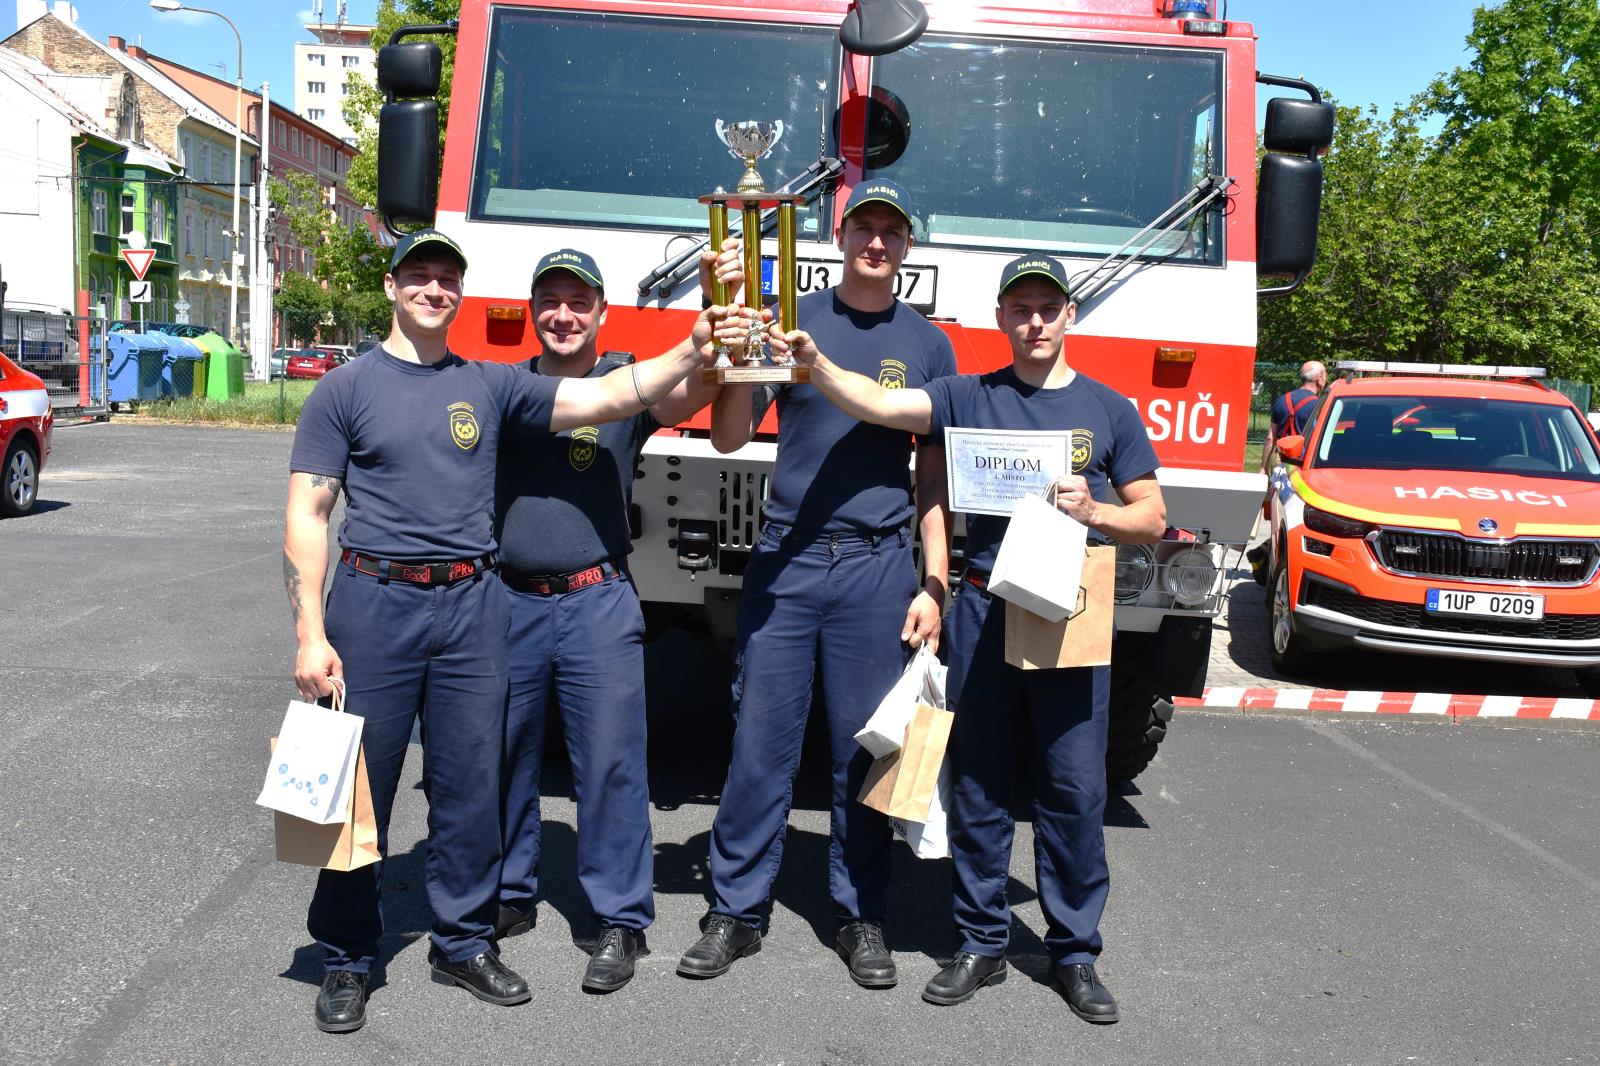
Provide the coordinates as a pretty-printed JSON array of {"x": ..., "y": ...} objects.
[
  {"x": 571, "y": 259},
  {"x": 424, "y": 238},
  {"x": 1037, "y": 264},
  {"x": 882, "y": 191}
]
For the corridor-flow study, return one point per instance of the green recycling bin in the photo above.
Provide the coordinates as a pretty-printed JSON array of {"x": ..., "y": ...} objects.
[{"x": 224, "y": 367}]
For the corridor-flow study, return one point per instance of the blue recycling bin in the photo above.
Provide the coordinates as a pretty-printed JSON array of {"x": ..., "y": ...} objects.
[
  {"x": 178, "y": 368},
  {"x": 133, "y": 368}
]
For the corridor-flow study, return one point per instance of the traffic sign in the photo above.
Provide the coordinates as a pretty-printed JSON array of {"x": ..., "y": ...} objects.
[
  {"x": 139, "y": 291},
  {"x": 180, "y": 311},
  {"x": 138, "y": 260}
]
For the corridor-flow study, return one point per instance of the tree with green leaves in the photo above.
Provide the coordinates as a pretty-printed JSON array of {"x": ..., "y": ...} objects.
[
  {"x": 1479, "y": 245},
  {"x": 304, "y": 305},
  {"x": 349, "y": 261}
]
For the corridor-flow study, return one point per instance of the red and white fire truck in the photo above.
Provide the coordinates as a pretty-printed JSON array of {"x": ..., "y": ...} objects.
[
  {"x": 1119, "y": 135},
  {"x": 25, "y": 424}
]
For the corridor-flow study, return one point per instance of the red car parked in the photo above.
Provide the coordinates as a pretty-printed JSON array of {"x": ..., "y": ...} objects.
[
  {"x": 25, "y": 424},
  {"x": 309, "y": 363}
]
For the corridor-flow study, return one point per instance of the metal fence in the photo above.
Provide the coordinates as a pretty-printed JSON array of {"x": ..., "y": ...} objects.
[{"x": 67, "y": 352}]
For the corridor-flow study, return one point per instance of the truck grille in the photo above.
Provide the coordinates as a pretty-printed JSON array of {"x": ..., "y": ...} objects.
[
  {"x": 1412, "y": 616},
  {"x": 1538, "y": 562},
  {"x": 739, "y": 501}
]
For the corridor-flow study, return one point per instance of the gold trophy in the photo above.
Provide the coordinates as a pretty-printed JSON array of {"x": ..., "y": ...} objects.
[{"x": 748, "y": 142}]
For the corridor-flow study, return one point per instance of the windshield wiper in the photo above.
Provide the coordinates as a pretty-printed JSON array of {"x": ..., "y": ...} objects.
[
  {"x": 1091, "y": 282},
  {"x": 670, "y": 274}
]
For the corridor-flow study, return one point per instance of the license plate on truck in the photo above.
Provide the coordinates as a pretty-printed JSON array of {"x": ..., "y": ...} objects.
[
  {"x": 1509, "y": 606},
  {"x": 916, "y": 285}
]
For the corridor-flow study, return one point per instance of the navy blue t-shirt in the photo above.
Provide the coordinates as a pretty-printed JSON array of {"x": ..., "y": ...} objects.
[
  {"x": 1108, "y": 445},
  {"x": 415, "y": 446},
  {"x": 563, "y": 500},
  {"x": 834, "y": 473},
  {"x": 1291, "y": 412}
]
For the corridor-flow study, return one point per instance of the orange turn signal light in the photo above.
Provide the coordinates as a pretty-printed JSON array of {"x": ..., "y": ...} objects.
[
  {"x": 1174, "y": 355},
  {"x": 507, "y": 312}
]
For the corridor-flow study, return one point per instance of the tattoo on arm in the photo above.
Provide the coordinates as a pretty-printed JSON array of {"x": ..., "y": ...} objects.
[
  {"x": 320, "y": 480},
  {"x": 291, "y": 584}
]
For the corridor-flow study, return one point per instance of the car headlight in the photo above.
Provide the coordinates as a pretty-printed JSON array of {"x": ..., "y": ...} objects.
[
  {"x": 1136, "y": 568},
  {"x": 1189, "y": 575},
  {"x": 1332, "y": 525}
]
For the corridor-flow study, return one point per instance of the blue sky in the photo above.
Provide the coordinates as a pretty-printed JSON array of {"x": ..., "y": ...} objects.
[{"x": 1364, "y": 51}]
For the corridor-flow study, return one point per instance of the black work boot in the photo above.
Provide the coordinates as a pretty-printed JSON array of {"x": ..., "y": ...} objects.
[
  {"x": 510, "y": 922},
  {"x": 1086, "y": 996},
  {"x": 961, "y": 980},
  {"x": 862, "y": 947},
  {"x": 611, "y": 965},
  {"x": 486, "y": 977},
  {"x": 342, "y": 1001},
  {"x": 724, "y": 940}
]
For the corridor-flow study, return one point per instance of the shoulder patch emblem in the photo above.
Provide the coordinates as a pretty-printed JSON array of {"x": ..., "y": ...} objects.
[
  {"x": 585, "y": 443},
  {"x": 463, "y": 426},
  {"x": 1080, "y": 449},
  {"x": 892, "y": 374}
]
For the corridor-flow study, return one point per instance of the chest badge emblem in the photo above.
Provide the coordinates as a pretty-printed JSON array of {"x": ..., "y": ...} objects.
[
  {"x": 463, "y": 426},
  {"x": 585, "y": 443},
  {"x": 1080, "y": 449},
  {"x": 892, "y": 374}
]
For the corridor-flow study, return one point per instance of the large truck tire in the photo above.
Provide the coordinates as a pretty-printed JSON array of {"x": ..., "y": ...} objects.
[{"x": 1137, "y": 719}]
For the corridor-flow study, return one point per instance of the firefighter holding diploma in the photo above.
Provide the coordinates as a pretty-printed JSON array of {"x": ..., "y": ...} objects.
[{"x": 1060, "y": 715}]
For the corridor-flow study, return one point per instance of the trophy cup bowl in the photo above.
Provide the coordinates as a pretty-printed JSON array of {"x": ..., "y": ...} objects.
[{"x": 748, "y": 142}]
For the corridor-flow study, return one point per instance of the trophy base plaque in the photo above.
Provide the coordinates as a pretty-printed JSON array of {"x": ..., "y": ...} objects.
[{"x": 764, "y": 374}]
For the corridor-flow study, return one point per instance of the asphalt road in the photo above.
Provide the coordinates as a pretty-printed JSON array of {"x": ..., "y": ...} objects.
[{"x": 1285, "y": 890}]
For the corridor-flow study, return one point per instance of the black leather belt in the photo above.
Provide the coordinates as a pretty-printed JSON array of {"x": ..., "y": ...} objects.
[
  {"x": 418, "y": 573},
  {"x": 555, "y": 584}
]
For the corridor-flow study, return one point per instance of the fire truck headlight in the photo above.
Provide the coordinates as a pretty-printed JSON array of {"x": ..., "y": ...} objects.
[
  {"x": 1190, "y": 575},
  {"x": 1332, "y": 525},
  {"x": 1136, "y": 568}
]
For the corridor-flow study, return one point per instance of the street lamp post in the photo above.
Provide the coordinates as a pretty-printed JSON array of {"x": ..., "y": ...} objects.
[{"x": 238, "y": 152}]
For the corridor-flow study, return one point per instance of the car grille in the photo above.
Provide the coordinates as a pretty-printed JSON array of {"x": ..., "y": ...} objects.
[
  {"x": 1538, "y": 562},
  {"x": 1412, "y": 616}
]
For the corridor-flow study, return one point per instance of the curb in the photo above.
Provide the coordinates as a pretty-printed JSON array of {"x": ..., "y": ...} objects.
[{"x": 1435, "y": 706}]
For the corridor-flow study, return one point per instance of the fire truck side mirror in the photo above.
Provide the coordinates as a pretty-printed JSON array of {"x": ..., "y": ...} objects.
[
  {"x": 411, "y": 69},
  {"x": 1288, "y": 203},
  {"x": 1302, "y": 126},
  {"x": 878, "y": 27},
  {"x": 408, "y": 162}
]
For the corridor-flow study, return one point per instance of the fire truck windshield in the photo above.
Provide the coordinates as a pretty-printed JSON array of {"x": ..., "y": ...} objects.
[
  {"x": 605, "y": 119},
  {"x": 1063, "y": 146}
]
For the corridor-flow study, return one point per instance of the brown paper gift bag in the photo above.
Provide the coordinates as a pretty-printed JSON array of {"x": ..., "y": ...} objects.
[
  {"x": 344, "y": 845},
  {"x": 902, "y": 783},
  {"x": 1083, "y": 638}
]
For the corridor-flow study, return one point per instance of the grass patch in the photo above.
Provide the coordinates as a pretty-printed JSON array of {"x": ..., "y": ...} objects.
[{"x": 258, "y": 406}]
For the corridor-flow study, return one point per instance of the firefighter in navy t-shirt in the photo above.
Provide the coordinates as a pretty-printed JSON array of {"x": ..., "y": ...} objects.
[
  {"x": 830, "y": 592},
  {"x": 410, "y": 432},
  {"x": 1060, "y": 715},
  {"x": 577, "y": 635}
]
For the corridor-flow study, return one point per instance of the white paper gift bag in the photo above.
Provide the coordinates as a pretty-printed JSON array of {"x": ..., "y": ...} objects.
[
  {"x": 312, "y": 770},
  {"x": 929, "y": 839},
  {"x": 922, "y": 682},
  {"x": 1040, "y": 562}
]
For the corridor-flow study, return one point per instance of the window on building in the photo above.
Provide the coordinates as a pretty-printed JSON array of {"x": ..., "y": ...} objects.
[
  {"x": 209, "y": 225},
  {"x": 350, "y": 61},
  {"x": 345, "y": 88},
  {"x": 316, "y": 86},
  {"x": 227, "y": 247},
  {"x": 94, "y": 294},
  {"x": 158, "y": 220},
  {"x": 315, "y": 113},
  {"x": 188, "y": 233},
  {"x": 98, "y": 198},
  {"x": 127, "y": 213},
  {"x": 316, "y": 59}
]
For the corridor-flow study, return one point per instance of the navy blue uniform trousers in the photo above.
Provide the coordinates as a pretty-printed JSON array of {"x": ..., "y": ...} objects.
[
  {"x": 1060, "y": 715},
  {"x": 832, "y": 606},
  {"x": 438, "y": 652},
  {"x": 584, "y": 649}
]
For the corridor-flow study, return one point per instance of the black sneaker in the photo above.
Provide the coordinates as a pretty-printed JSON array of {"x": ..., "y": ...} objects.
[
  {"x": 342, "y": 1001},
  {"x": 862, "y": 947},
  {"x": 724, "y": 940},
  {"x": 486, "y": 977},
  {"x": 961, "y": 980},
  {"x": 611, "y": 965}
]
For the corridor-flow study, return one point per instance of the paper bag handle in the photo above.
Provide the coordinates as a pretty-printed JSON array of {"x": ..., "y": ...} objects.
[
  {"x": 338, "y": 693},
  {"x": 1049, "y": 492}
]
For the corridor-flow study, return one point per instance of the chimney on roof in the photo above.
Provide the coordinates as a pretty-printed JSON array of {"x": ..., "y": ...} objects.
[
  {"x": 118, "y": 43},
  {"x": 138, "y": 52}
]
